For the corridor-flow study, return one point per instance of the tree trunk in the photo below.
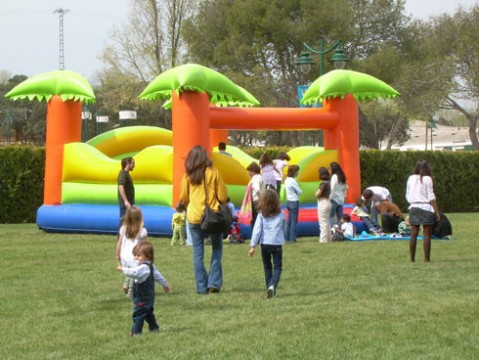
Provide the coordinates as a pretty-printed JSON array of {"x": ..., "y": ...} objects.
[{"x": 471, "y": 118}]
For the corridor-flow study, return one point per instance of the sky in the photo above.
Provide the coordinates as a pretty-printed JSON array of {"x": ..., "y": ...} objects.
[{"x": 29, "y": 40}]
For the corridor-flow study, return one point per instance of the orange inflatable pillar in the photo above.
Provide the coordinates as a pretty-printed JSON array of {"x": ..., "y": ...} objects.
[
  {"x": 63, "y": 127},
  {"x": 190, "y": 126},
  {"x": 217, "y": 136},
  {"x": 345, "y": 138}
]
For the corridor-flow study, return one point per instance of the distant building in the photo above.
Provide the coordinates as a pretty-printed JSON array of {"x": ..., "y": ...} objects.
[{"x": 447, "y": 138}]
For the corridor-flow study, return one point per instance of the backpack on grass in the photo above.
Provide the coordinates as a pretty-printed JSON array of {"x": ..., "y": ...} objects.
[{"x": 443, "y": 227}]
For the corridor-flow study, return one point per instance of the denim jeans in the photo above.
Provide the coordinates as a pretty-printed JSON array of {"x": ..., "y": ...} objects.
[
  {"x": 215, "y": 278},
  {"x": 143, "y": 312},
  {"x": 336, "y": 210},
  {"x": 272, "y": 270},
  {"x": 370, "y": 224},
  {"x": 292, "y": 222}
]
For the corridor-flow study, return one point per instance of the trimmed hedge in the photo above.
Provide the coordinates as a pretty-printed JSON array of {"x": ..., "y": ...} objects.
[
  {"x": 21, "y": 183},
  {"x": 455, "y": 174},
  {"x": 456, "y": 177}
]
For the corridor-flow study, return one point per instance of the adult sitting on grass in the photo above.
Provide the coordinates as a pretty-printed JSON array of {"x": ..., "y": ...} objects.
[{"x": 391, "y": 216}]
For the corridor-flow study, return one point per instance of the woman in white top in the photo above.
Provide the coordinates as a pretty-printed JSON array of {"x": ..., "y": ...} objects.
[
  {"x": 256, "y": 183},
  {"x": 422, "y": 209},
  {"x": 293, "y": 192},
  {"x": 280, "y": 163},
  {"x": 338, "y": 193}
]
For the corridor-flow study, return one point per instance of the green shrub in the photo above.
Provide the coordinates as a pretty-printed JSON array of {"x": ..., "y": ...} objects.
[
  {"x": 273, "y": 151},
  {"x": 456, "y": 175},
  {"x": 21, "y": 183}
]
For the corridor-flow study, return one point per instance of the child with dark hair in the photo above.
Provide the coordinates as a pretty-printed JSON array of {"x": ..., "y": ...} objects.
[
  {"x": 253, "y": 190},
  {"x": 268, "y": 231},
  {"x": 345, "y": 230},
  {"x": 144, "y": 276},
  {"x": 178, "y": 224},
  {"x": 280, "y": 163},
  {"x": 268, "y": 171},
  {"x": 324, "y": 205},
  {"x": 338, "y": 193},
  {"x": 360, "y": 211},
  {"x": 222, "y": 149},
  {"x": 293, "y": 191}
]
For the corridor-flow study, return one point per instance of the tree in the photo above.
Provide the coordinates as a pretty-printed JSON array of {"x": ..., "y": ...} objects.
[
  {"x": 150, "y": 42},
  {"x": 146, "y": 46},
  {"x": 463, "y": 27},
  {"x": 22, "y": 120},
  {"x": 256, "y": 43},
  {"x": 385, "y": 122}
]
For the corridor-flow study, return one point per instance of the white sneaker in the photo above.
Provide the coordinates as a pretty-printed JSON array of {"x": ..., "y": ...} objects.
[{"x": 270, "y": 292}]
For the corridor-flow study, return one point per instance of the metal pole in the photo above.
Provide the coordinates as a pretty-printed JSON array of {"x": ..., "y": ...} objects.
[
  {"x": 321, "y": 57},
  {"x": 61, "y": 12}
]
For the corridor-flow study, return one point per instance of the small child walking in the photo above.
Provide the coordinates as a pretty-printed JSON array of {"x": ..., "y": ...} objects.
[
  {"x": 269, "y": 232},
  {"x": 178, "y": 224},
  {"x": 131, "y": 233},
  {"x": 144, "y": 276}
]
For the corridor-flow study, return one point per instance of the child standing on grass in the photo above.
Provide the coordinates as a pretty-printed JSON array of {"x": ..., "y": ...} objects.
[
  {"x": 269, "y": 232},
  {"x": 144, "y": 276},
  {"x": 178, "y": 224},
  {"x": 131, "y": 233}
]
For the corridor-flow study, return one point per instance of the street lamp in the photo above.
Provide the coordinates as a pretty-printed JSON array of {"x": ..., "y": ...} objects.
[
  {"x": 431, "y": 124},
  {"x": 339, "y": 58},
  {"x": 304, "y": 63},
  {"x": 85, "y": 115}
]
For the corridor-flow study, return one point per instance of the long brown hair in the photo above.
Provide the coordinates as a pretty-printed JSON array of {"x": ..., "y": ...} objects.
[
  {"x": 422, "y": 169},
  {"x": 196, "y": 163},
  {"x": 133, "y": 222},
  {"x": 269, "y": 203}
]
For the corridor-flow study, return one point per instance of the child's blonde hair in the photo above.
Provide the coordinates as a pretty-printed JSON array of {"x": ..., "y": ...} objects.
[{"x": 133, "y": 222}]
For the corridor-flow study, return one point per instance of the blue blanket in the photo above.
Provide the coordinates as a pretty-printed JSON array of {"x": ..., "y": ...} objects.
[{"x": 364, "y": 236}]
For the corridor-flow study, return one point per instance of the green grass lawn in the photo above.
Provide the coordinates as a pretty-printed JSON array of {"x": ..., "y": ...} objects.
[{"x": 61, "y": 298}]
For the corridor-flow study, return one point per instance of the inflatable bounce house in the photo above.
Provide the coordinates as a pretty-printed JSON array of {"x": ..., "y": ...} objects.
[{"x": 80, "y": 178}]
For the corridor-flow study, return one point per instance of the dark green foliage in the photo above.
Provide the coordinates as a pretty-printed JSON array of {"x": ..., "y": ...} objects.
[
  {"x": 273, "y": 151},
  {"x": 21, "y": 183},
  {"x": 456, "y": 175}
]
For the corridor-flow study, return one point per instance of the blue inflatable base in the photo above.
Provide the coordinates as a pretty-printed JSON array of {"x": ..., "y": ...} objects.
[{"x": 104, "y": 219}]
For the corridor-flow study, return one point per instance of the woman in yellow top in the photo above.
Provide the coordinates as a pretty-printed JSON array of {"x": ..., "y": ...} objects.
[{"x": 201, "y": 176}]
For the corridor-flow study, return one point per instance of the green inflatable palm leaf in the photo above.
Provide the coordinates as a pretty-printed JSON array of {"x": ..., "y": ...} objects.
[
  {"x": 67, "y": 84},
  {"x": 192, "y": 77},
  {"x": 339, "y": 83}
]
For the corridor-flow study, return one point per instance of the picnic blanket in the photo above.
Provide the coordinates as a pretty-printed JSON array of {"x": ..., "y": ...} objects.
[{"x": 364, "y": 236}]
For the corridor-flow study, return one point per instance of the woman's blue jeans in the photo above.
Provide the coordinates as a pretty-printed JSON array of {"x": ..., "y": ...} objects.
[
  {"x": 291, "y": 224},
  {"x": 215, "y": 278},
  {"x": 272, "y": 270},
  {"x": 336, "y": 210}
]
